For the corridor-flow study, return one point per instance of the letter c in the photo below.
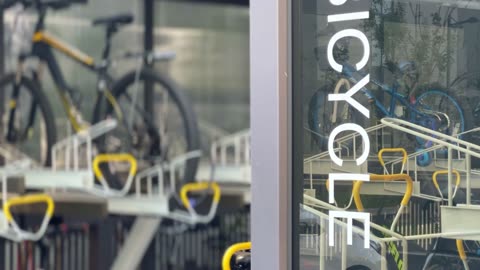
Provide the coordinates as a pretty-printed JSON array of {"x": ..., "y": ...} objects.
[
  {"x": 345, "y": 127},
  {"x": 348, "y": 33}
]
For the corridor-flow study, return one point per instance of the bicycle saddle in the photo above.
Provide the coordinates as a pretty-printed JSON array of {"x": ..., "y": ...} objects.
[
  {"x": 115, "y": 20},
  {"x": 401, "y": 67}
]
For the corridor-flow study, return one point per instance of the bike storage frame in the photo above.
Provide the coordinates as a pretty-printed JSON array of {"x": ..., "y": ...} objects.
[
  {"x": 76, "y": 181},
  {"x": 411, "y": 222}
]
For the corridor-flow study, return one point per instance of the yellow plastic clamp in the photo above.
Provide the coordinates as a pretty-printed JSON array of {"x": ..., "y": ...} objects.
[
  {"x": 381, "y": 177},
  {"x": 28, "y": 199},
  {"x": 122, "y": 157},
  {"x": 227, "y": 256},
  {"x": 461, "y": 250},
  {"x": 392, "y": 150},
  {"x": 435, "y": 181},
  {"x": 197, "y": 187}
]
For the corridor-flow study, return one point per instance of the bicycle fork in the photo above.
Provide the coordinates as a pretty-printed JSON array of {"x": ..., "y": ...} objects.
[{"x": 12, "y": 134}]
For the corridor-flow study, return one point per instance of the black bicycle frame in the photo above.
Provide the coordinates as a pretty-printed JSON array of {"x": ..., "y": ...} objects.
[{"x": 42, "y": 49}]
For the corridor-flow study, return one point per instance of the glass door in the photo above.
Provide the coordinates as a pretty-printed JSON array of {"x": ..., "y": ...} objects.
[{"x": 386, "y": 104}]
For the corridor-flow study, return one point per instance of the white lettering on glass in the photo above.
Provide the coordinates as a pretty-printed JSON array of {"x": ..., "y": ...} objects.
[
  {"x": 332, "y": 177},
  {"x": 338, "y": 2},
  {"x": 348, "y": 16},
  {"x": 348, "y": 97},
  {"x": 350, "y": 216},
  {"x": 348, "y": 33},
  {"x": 345, "y": 127}
]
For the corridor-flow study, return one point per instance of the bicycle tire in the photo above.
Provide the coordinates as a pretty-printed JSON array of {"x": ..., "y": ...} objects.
[
  {"x": 465, "y": 119},
  {"x": 40, "y": 99},
  {"x": 104, "y": 110}
]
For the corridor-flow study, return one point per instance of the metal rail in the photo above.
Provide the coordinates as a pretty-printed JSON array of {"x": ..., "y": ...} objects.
[
  {"x": 450, "y": 142},
  {"x": 310, "y": 202},
  {"x": 238, "y": 143},
  {"x": 440, "y": 140}
]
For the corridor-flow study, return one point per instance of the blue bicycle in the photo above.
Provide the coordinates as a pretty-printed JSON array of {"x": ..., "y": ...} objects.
[{"x": 428, "y": 106}]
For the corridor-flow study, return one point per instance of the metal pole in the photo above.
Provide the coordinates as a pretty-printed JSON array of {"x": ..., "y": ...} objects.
[
  {"x": 344, "y": 247},
  {"x": 322, "y": 246},
  {"x": 139, "y": 238},
  {"x": 2, "y": 71},
  {"x": 148, "y": 41},
  {"x": 448, "y": 52},
  {"x": 468, "y": 159},
  {"x": 384, "y": 256},
  {"x": 450, "y": 168}
]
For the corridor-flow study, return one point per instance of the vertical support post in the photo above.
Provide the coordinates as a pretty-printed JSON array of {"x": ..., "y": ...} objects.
[
  {"x": 148, "y": 40},
  {"x": 384, "y": 256},
  {"x": 405, "y": 257},
  {"x": 2, "y": 71},
  {"x": 271, "y": 137},
  {"x": 468, "y": 159},
  {"x": 450, "y": 168},
  {"x": 323, "y": 245},
  {"x": 448, "y": 50},
  {"x": 344, "y": 248},
  {"x": 136, "y": 244}
]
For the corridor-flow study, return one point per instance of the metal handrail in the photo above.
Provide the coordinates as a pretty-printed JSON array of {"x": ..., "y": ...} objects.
[
  {"x": 431, "y": 148},
  {"x": 398, "y": 123},
  {"x": 313, "y": 202},
  {"x": 311, "y": 159},
  {"x": 450, "y": 142},
  {"x": 386, "y": 177}
]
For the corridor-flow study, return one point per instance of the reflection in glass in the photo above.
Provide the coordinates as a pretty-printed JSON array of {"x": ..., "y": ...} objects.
[{"x": 421, "y": 89}]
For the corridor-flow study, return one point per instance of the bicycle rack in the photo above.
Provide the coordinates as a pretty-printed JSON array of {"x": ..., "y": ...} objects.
[
  {"x": 150, "y": 201},
  {"x": 76, "y": 171},
  {"x": 152, "y": 205},
  {"x": 459, "y": 163},
  {"x": 230, "y": 157},
  {"x": 9, "y": 228},
  {"x": 73, "y": 169},
  {"x": 390, "y": 236},
  {"x": 411, "y": 222},
  {"x": 66, "y": 171},
  {"x": 153, "y": 199},
  {"x": 227, "y": 256}
]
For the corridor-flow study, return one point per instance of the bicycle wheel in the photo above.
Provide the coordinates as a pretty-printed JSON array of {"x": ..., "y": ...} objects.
[
  {"x": 442, "y": 112},
  {"x": 27, "y": 119},
  {"x": 323, "y": 117},
  {"x": 152, "y": 138}
]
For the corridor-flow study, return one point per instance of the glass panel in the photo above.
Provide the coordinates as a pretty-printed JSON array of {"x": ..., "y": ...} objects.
[{"x": 386, "y": 103}]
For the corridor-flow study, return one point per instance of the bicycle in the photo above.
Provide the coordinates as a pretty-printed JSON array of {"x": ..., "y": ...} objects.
[
  {"x": 432, "y": 107},
  {"x": 28, "y": 113}
]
